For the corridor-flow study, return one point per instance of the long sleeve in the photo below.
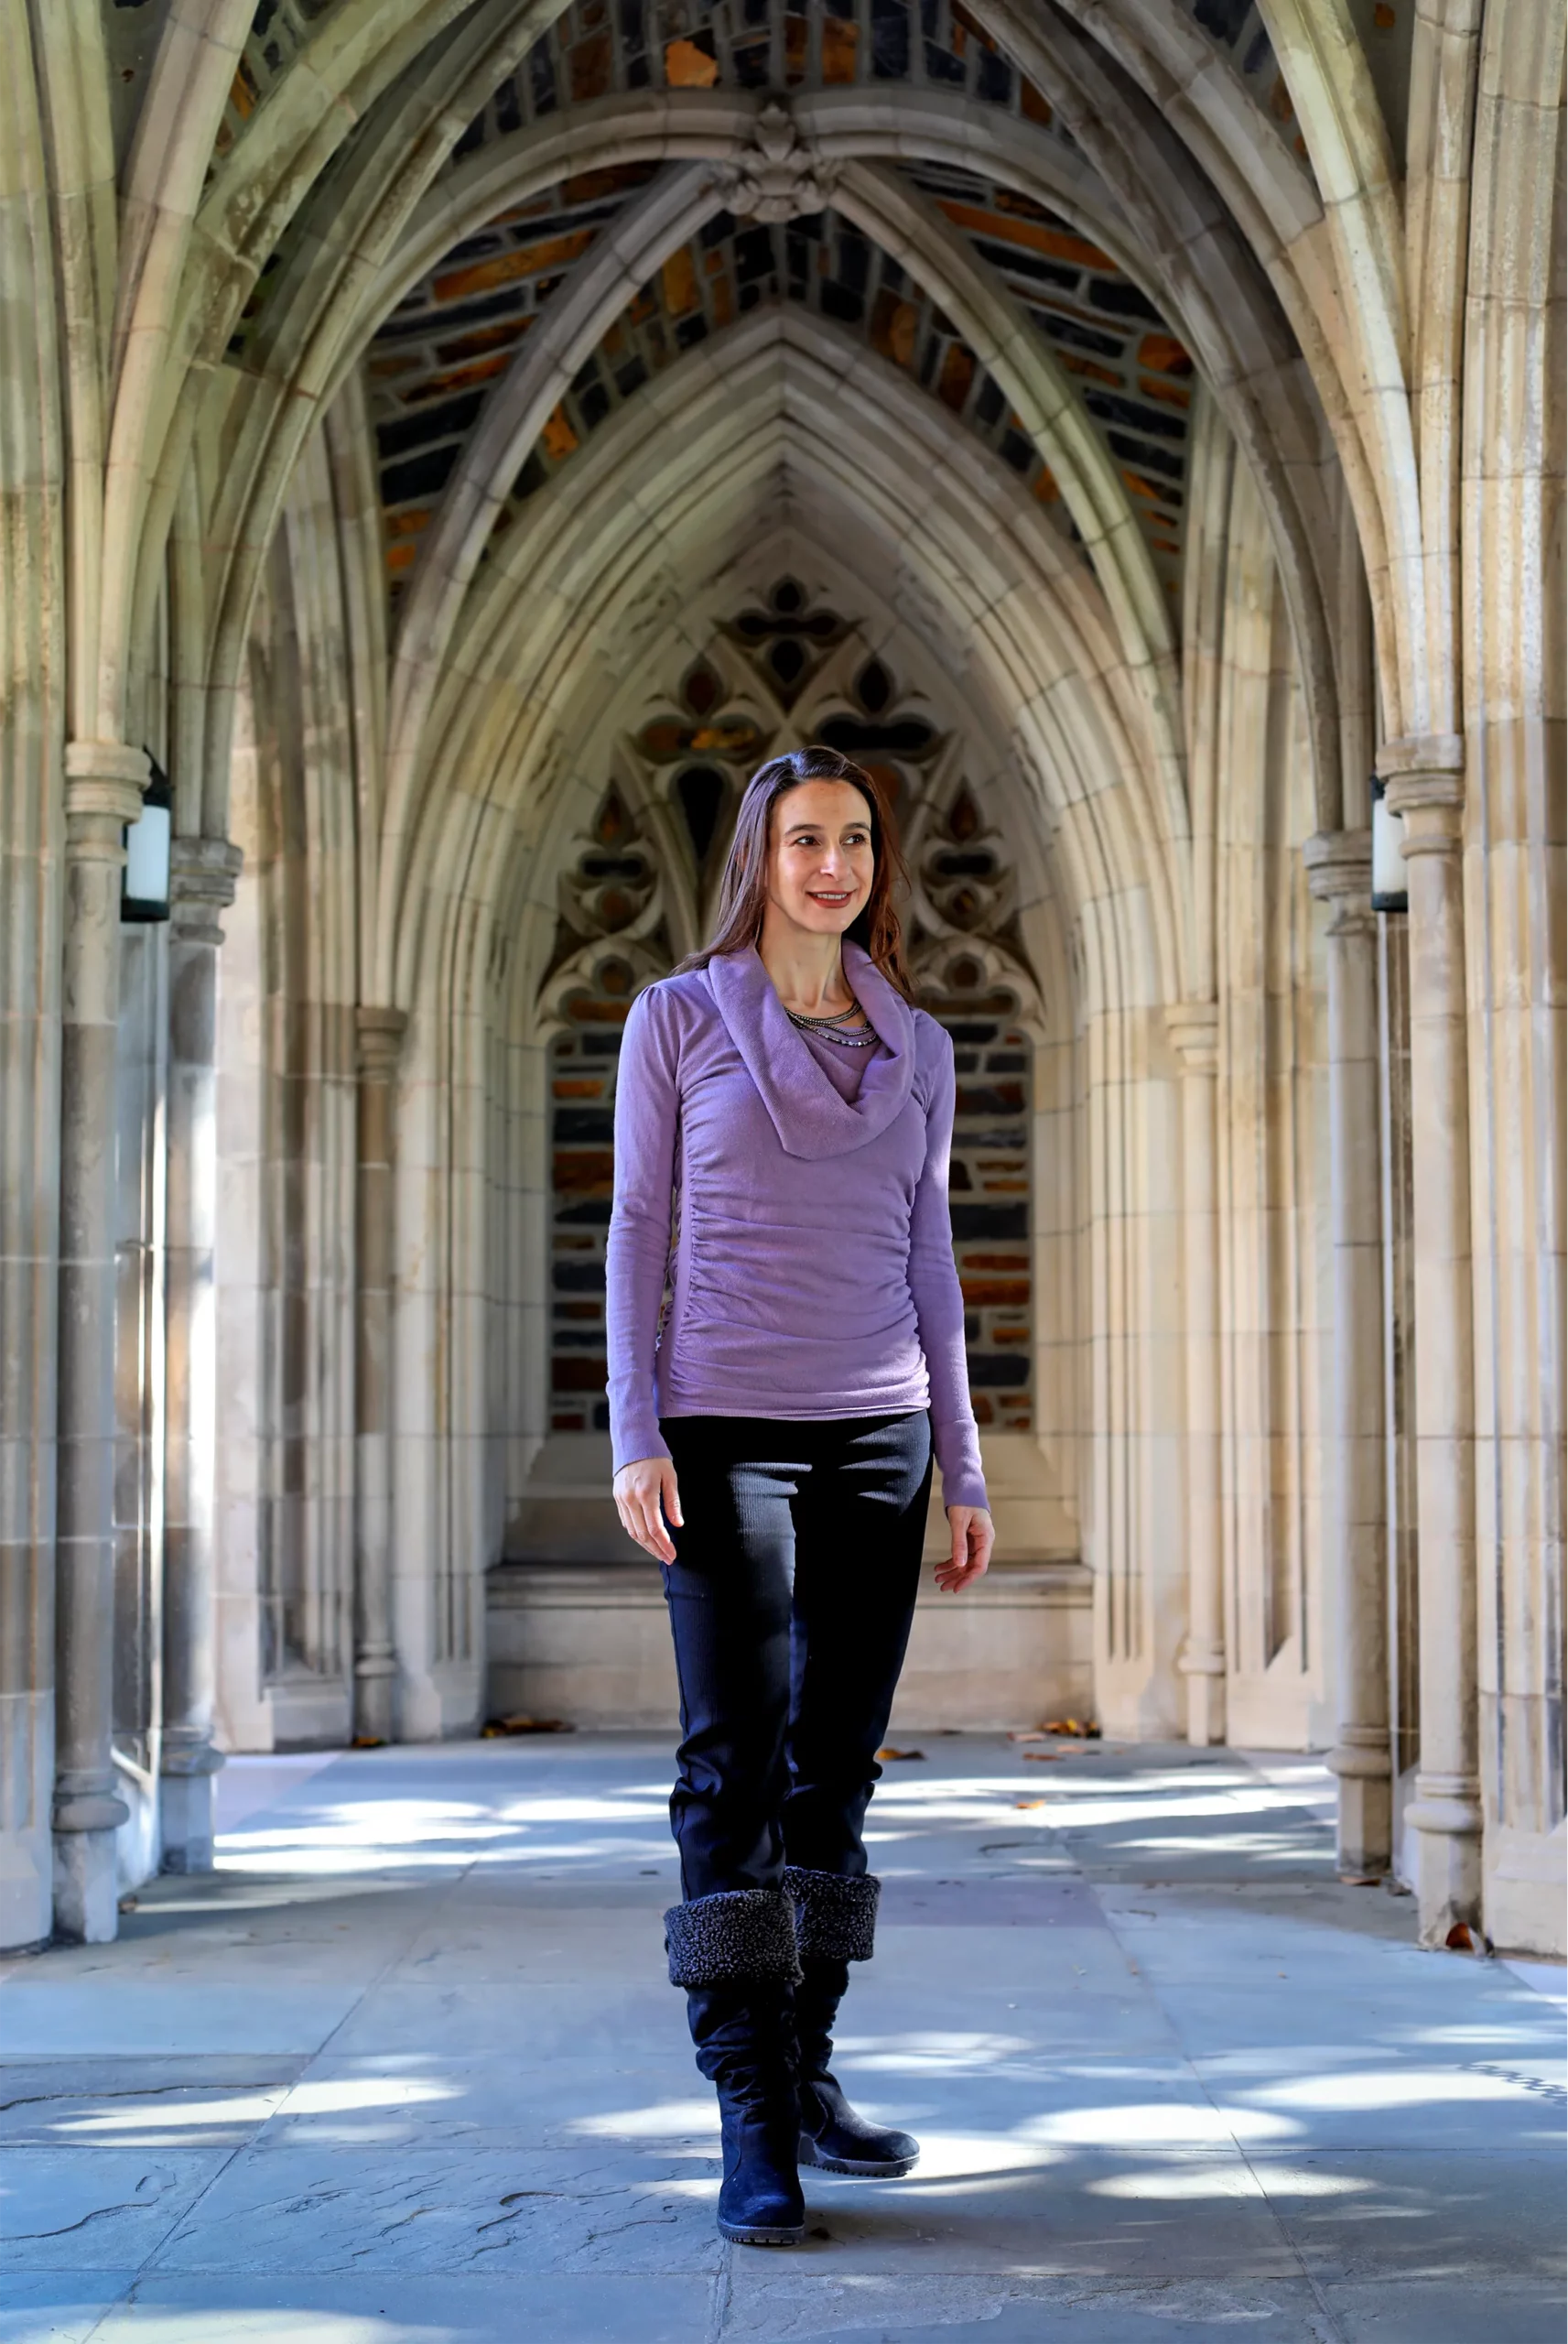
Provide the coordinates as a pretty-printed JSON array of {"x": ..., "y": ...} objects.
[
  {"x": 939, "y": 1303},
  {"x": 647, "y": 1107}
]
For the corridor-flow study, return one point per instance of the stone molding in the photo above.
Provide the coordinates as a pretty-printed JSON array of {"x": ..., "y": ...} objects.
[
  {"x": 381, "y": 1032},
  {"x": 1447, "y": 1805},
  {"x": 1194, "y": 1029},
  {"x": 779, "y": 177},
  {"x": 1423, "y": 778},
  {"x": 203, "y": 875},
  {"x": 187, "y": 1752},
  {"x": 104, "y": 784},
  {"x": 1339, "y": 873},
  {"x": 1338, "y": 863},
  {"x": 1361, "y": 1755}
]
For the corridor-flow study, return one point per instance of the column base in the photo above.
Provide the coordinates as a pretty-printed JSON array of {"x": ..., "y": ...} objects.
[
  {"x": 1205, "y": 1701},
  {"x": 375, "y": 1700},
  {"x": 186, "y": 1821},
  {"x": 1365, "y": 1824},
  {"x": 1366, "y": 1821},
  {"x": 1446, "y": 1818},
  {"x": 86, "y": 1887}
]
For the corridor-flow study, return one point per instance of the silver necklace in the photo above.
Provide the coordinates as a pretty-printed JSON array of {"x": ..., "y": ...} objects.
[{"x": 827, "y": 1027}]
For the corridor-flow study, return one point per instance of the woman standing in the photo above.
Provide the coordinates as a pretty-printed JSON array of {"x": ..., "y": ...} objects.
[{"x": 773, "y": 1437}]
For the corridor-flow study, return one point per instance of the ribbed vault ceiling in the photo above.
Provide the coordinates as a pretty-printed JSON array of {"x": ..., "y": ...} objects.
[
  {"x": 1049, "y": 218},
  {"x": 438, "y": 360}
]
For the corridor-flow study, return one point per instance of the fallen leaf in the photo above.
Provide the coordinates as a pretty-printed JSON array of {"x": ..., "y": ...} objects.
[
  {"x": 1029, "y": 1802},
  {"x": 1463, "y": 1938},
  {"x": 368, "y": 1741},
  {"x": 1071, "y": 1729},
  {"x": 1042, "y": 1757},
  {"x": 890, "y": 1752},
  {"x": 524, "y": 1725}
]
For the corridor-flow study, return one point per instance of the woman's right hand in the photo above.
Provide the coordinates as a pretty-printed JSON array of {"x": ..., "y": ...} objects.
[{"x": 642, "y": 1489}]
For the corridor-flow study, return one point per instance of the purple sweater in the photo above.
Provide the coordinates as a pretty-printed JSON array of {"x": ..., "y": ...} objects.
[{"x": 812, "y": 1270}]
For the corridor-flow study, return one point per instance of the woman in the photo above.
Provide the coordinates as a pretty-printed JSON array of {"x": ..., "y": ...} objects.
[{"x": 773, "y": 1437}]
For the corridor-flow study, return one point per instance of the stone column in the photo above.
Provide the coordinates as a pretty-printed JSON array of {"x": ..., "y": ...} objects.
[
  {"x": 1194, "y": 1026},
  {"x": 1425, "y": 785},
  {"x": 1339, "y": 873},
  {"x": 381, "y": 1034},
  {"x": 202, "y": 876},
  {"x": 102, "y": 793}
]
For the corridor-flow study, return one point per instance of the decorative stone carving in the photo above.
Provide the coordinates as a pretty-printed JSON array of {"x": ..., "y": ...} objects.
[
  {"x": 612, "y": 888},
  {"x": 611, "y": 908},
  {"x": 964, "y": 907},
  {"x": 779, "y": 177}
]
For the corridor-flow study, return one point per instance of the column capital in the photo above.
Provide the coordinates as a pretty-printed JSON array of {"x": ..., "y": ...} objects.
[
  {"x": 1437, "y": 757},
  {"x": 104, "y": 784},
  {"x": 202, "y": 876},
  {"x": 381, "y": 1031},
  {"x": 1423, "y": 783},
  {"x": 1339, "y": 862},
  {"x": 1194, "y": 1029}
]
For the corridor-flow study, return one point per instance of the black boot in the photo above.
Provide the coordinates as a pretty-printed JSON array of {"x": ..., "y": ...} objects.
[
  {"x": 836, "y": 1921},
  {"x": 744, "y": 2038},
  {"x": 734, "y": 1953}
]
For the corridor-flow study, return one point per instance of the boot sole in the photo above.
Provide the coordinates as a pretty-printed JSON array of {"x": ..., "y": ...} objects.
[
  {"x": 758, "y": 2234},
  {"x": 889, "y": 2169}
]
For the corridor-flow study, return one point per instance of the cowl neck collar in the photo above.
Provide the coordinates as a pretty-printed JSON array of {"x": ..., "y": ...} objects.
[{"x": 810, "y": 1118}]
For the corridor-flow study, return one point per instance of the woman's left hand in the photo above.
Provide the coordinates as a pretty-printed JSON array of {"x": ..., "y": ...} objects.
[{"x": 974, "y": 1535}]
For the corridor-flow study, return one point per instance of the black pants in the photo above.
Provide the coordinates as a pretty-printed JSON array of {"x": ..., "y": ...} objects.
[{"x": 790, "y": 1600}]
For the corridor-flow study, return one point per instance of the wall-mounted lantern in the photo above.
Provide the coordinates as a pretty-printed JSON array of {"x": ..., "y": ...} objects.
[
  {"x": 1389, "y": 888},
  {"x": 143, "y": 885}
]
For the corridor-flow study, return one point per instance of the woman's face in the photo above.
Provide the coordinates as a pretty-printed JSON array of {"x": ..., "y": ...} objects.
[{"x": 822, "y": 858}]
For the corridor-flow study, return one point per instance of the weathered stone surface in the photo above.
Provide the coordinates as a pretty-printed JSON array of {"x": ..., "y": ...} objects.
[
  {"x": 1158, "y": 2089},
  {"x": 455, "y": 460}
]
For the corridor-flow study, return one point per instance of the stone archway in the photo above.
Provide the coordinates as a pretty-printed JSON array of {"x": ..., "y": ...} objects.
[{"x": 575, "y": 1623}]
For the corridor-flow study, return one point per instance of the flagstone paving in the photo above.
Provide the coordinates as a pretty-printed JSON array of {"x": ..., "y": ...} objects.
[{"x": 406, "y": 2071}]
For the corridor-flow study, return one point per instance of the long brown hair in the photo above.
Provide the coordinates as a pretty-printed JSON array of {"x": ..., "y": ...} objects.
[{"x": 743, "y": 890}]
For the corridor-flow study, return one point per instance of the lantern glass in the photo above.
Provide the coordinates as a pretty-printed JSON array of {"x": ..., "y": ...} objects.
[
  {"x": 144, "y": 888},
  {"x": 1389, "y": 891}
]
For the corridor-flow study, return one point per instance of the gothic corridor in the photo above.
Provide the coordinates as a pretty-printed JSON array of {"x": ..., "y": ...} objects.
[{"x": 445, "y": 446}]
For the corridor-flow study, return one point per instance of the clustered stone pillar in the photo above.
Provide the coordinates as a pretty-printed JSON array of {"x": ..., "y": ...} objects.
[
  {"x": 1339, "y": 872},
  {"x": 102, "y": 793},
  {"x": 203, "y": 875},
  {"x": 1194, "y": 1026},
  {"x": 381, "y": 1034},
  {"x": 1425, "y": 786}
]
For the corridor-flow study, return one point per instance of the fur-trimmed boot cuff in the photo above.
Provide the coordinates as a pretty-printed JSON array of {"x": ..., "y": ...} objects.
[
  {"x": 738, "y": 1936},
  {"x": 834, "y": 1918}
]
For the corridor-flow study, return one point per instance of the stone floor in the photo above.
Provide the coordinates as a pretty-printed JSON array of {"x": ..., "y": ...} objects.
[{"x": 406, "y": 2069}]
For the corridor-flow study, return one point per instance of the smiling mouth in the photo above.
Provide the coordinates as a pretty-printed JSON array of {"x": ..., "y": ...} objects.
[{"x": 842, "y": 896}]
